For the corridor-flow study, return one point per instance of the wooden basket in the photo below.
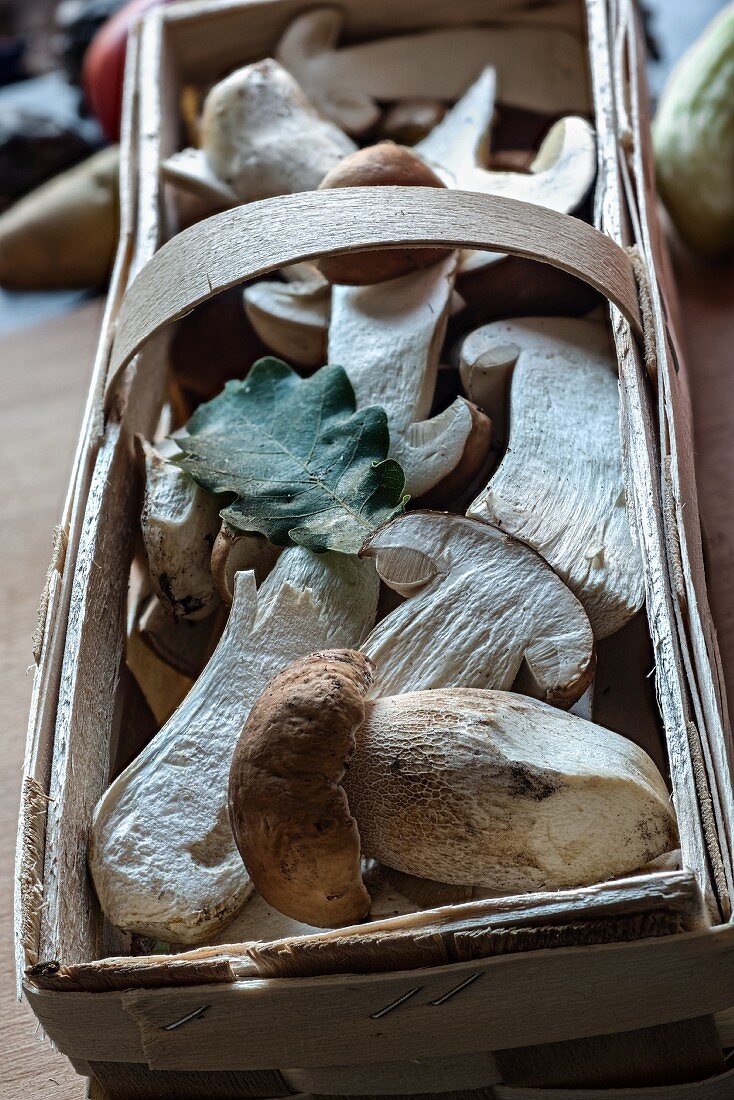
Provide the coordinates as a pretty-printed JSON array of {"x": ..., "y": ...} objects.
[{"x": 529, "y": 1015}]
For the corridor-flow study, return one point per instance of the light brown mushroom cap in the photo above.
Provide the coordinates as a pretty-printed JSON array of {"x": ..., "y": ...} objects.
[
  {"x": 289, "y": 815},
  {"x": 381, "y": 165}
]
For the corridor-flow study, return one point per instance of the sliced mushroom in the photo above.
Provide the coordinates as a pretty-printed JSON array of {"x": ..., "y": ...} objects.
[
  {"x": 260, "y": 137},
  {"x": 234, "y": 552},
  {"x": 161, "y": 852},
  {"x": 560, "y": 176},
  {"x": 291, "y": 318},
  {"x": 463, "y": 786},
  {"x": 541, "y": 68},
  {"x": 479, "y": 604},
  {"x": 388, "y": 338},
  {"x": 560, "y": 486},
  {"x": 190, "y": 170},
  {"x": 486, "y": 370},
  {"x": 180, "y": 522},
  {"x": 410, "y": 120}
]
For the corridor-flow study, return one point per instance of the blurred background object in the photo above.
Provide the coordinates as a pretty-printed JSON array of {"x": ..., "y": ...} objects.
[{"x": 694, "y": 140}]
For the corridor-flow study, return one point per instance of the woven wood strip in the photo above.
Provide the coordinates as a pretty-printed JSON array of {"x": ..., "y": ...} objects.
[{"x": 260, "y": 237}]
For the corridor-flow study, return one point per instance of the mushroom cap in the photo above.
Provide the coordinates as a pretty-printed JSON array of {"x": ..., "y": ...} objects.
[
  {"x": 381, "y": 165},
  {"x": 289, "y": 815}
]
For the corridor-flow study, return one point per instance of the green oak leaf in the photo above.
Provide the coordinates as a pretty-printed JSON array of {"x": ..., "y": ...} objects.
[{"x": 301, "y": 465}]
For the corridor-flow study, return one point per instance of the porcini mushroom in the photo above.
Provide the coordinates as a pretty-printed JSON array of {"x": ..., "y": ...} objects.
[
  {"x": 388, "y": 338},
  {"x": 541, "y": 68},
  {"x": 486, "y": 370},
  {"x": 260, "y": 137},
  {"x": 463, "y": 786},
  {"x": 291, "y": 318},
  {"x": 380, "y": 165},
  {"x": 560, "y": 486},
  {"x": 161, "y": 852},
  {"x": 479, "y": 605},
  {"x": 179, "y": 522},
  {"x": 559, "y": 177}
]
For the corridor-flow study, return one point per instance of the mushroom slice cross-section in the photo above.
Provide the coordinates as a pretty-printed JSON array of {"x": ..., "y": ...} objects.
[
  {"x": 260, "y": 137},
  {"x": 388, "y": 339},
  {"x": 560, "y": 176},
  {"x": 463, "y": 786},
  {"x": 541, "y": 68},
  {"x": 291, "y": 318},
  {"x": 479, "y": 604},
  {"x": 560, "y": 486},
  {"x": 161, "y": 853}
]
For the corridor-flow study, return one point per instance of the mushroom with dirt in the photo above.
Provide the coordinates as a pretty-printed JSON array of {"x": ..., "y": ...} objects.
[
  {"x": 161, "y": 852},
  {"x": 184, "y": 645},
  {"x": 541, "y": 68},
  {"x": 560, "y": 486},
  {"x": 179, "y": 522},
  {"x": 457, "y": 785},
  {"x": 480, "y": 607},
  {"x": 260, "y": 137}
]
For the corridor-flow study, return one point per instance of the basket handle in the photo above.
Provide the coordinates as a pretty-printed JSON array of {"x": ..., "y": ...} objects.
[{"x": 253, "y": 240}]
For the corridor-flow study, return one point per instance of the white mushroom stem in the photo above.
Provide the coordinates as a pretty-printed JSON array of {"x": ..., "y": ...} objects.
[
  {"x": 560, "y": 486},
  {"x": 479, "y": 606},
  {"x": 260, "y": 137},
  {"x": 161, "y": 853},
  {"x": 486, "y": 371},
  {"x": 388, "y": 338},
  {"x": 179, "y": 522},
  {"x": 292, "y": 318},
  {"x": 492, "y": 789},
  {"x": 559, "y": 177},
  {"x": 541, "y": 68}
]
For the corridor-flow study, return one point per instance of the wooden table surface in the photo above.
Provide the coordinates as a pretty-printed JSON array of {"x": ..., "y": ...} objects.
[{"x": 43, "y": 377}]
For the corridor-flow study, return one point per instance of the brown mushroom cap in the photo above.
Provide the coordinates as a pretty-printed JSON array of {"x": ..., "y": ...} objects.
[
  {"x": 289, "y": 815},
  {"x": 381, "y": 165}
]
